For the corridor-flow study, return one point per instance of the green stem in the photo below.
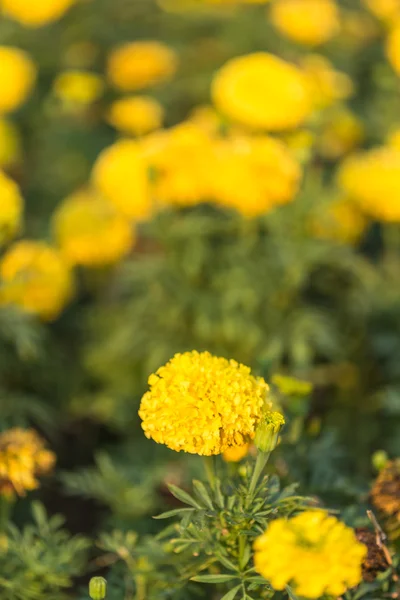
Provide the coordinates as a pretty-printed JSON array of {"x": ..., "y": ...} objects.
[
  {"x": 261, "y": 461},
  {"x": 209, "y": 466}
]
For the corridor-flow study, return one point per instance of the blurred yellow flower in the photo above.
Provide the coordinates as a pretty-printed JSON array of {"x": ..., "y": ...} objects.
[
  {"x": 340, "y": 221},
  {"x": 206, "y": 118},
  {"x": 17, "y": 78},
  {"x": 120, "y": 174},
  {"x": 78, "y": 87},
  {"x": 90, "y": 232},
  {"x": 236, "y": 453},
  {"x": 253, "y": 174},
  {"x": 313, "y": 552},
  {"x": 10, "y": 143},
  {"x": 262, "y": 91},
  {"x": 328, "y": 86},
  {"x": 11, "y": 207},
  {"x": 36, "y": 278},
  {"x": 387, "y": 10},
  {"x": 23, "y": 457},
  {"x": 393, "y": 139},
  {"x": 341, "y": 132},
  {"x": 357, "y": 28},
  {"x": 138, "y": 65},
  {"x": 136, "y": 115},
  {"x": 35, "y": 13},
  {"x": 202, "y": 404},
  {"x": 308, "y": 22},
  {"x": 372, "y": 179},
  {"x": 393, "y": 48}
]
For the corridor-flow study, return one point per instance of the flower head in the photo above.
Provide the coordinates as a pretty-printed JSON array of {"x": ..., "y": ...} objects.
[
  {"x": 375, "y": 561},
  {"x": 202, "y": 404},
  {"x": 308, "y": 22},
  {"x": 138, "y": 65},
  {"x": 89, "y": 231},
  {"x": 35, "y": 13},
  {"x": 312, "y": 551},
  {"x": 11, "y": 207},
  {"x": 136, "y": 115},
  {"x": 262, "y": 91},
  {"x": 78, "y": 88},
  {"x": 35, "y": 278},
  {"x": 267, "y": 432},
  {"x": 23, "y": 457},
  {"x": 17, "y": 77}
]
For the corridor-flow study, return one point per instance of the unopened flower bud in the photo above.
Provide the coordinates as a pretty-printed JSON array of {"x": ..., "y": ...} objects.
[
  {"x": 267, "y": 432},
  {"x": 97, "y": 588},
  {"x": 379, "y": 460}
]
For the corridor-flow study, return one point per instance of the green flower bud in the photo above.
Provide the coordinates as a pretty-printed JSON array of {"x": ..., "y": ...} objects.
[
  {"x": 267, "y": 432},
  {"x": 379, "y": 460},
  {"x": 97, "y": 588}
]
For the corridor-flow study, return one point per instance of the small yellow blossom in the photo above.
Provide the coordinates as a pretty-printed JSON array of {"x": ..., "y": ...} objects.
[
  {"x": 393, "y": 48},
  {"x": 341, "y": 132},
  {"x": 23, "y": 457},
  {"x": 90, "y": 232},
  {"x": 78, "y": 87},
  {"x": 202, "y": 404},
  {"x": 308, "y": 22},
  {"x": 372, "y": 179},
  {"x": 386, "y": 10},
  {"x": 11, "y": 207},
  {"x": 236, "y": 453},
  {"x": 328, "y": 85},
  {"x": 10, "y": 143},
  {"x": 36, "y": 278},
  {"x": 17, "y": 78},
  {"x": 138, "y": 65},
  {"x": 120, "y": 174},
  {"x": 35, "y": 13},
  {"x": 262, "y": 91},
  {"x": 136, "y": 115},
  {"x": 313, "y": 552}
]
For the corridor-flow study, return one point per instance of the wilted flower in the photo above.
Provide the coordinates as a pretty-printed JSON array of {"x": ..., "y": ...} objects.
[
  {"x": 17, "y": 77},
  {"x": 308, "y": 22},
  {"x": 35, "y": 13},
  {"x": 11, "y": 207},
  {"x": 120, "y": 174},
  {"x": 385, "y": 493},
  {"x": 313, "y": 552},
  {"x": 202, "y": 404},
  {"x": 35, "y": 278},
  {"x": 23, "y": 457},
  {"x": 89, "y": 231},
  {"x": 375, "y": 561},
  {"x": 136, "y": 115},
  {"x": 78, "y": 88},
  {"x": 138, "y": 65},
  {"x": 262, "y": 91}
]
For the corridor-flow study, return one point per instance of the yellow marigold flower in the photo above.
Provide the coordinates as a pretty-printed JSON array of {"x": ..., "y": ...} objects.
[
  {"x": 120, "y": 174},
  {"x": 386, "y": 10},
  {"x": 202, "y": 404},
  {"x": 262, "y": 91},
  {"x": 372, "y": 179},
  {"x": 17, "y": 77},
  {"x": 393, "y": 48},
  {"x": 308, "y": 22},
  {"x": 35, "y": 278},
  {"x": 341, "y": 221},
  {"x": 10, "y": 143},
  {"x": 253, "y": 174},
  {"x": 136, "y": 115},
  {"x": 328, "y": 85},
  {"x": 11, "y": 207},
  {"x": 78, "y": 87},
  {"x": 341, "y": 133},
  {"x": 23, "y": 457},
  {"x": 35, "y": 13},
  {"x": 138, "y": 65},
  {"x": 89, "y": 231},
  {"x": 206, "y": 118},
  {"x": 314, "y": 552},
  {"x": 236, "y": 453}
]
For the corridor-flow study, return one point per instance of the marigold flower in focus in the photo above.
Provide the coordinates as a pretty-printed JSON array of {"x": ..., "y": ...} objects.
[
  {"x": 393, "y": 48},
  {"x": 35, "y": 13},
  {"x": 328, "y": 85},
  {"x": 11, "y": 207},
  {"x": 313, "y": 552},
  {"x": 262, "y": 91},
  {"x": 120, "y": 174},
  {"x": 78, "y": 87},
  {"x": 372, "y": 179},
  {"x": 10, "y": 143},
  {"x": 35, "y": 278},
  {"x": 17, "y": 77},
  {"x": 138, "y": 65},
  {"x": 89, "y": 231},
  {"x": 23, "y": 457},
  {"x": 202, "y": 404},
  {"x": 385, "y": 493},
  {"x": 136, "y": 115},
  {"x": 308, "y": 22}
]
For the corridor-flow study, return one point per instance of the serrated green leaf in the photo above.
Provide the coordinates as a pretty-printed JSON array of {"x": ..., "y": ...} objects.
[
  {"x": 218, "y": 494},
  {"x": 202, "y": 493},
  {"x": 183, "y": 496},
  {"x": 232, "y": 593},
  {"x": 172, "y": 513},
  {"x": 213, "y": 578}
]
